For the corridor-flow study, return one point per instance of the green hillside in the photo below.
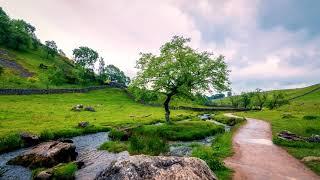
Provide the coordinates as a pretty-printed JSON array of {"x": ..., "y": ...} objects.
[{"x": 29, "y": 61}]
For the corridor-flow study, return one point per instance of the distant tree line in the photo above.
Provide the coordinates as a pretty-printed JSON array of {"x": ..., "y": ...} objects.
[
  {"x": 20, "y": 35},
  {"x": 259, "y": 99}
]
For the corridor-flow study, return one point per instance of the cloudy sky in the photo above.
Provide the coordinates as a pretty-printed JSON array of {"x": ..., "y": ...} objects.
[{"x": 267, "y": 43}]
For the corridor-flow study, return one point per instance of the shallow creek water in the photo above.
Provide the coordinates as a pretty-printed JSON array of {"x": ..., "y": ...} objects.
[{"x": 83, "y": 144}]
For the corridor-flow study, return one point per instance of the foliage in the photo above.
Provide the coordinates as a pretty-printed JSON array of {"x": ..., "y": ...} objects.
[
  {"x": 245, "y": 99},
  {"x": 51, "y": 48},
  {"x": 56, "y": 76},
  {"x": 151, "y": 145},
  {"x": 142, "y": 94},
  {"x": 235, "y": 101},
  {"x": 260, "y": 98},
  {"x": 114, "y": 74},
  {"x": 114, "y": 146},
  {"x": 85, "y": 56},
  {"x": 180, "y": 70},
  {"x": 278, "y": 99}
]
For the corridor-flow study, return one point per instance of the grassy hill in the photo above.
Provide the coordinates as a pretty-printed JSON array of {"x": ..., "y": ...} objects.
[
  {"x": 300, "y": 116},
  {"x": 22, "y": 68}
]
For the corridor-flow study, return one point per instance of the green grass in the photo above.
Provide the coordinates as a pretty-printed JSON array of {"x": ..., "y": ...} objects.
[
  {"x": 62, "y": 171},
  {"x": 303, "y": 120},
  {"x": 231, "y": 121},
  {"x": 51, "y": 114},
  {"x": 183, "y": 130},
  {"x": 114, "y": 146}
]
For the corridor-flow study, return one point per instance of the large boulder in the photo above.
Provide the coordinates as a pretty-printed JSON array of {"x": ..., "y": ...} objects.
[
  {"x": 46, "y": 154},
  {"x": 143, "y": 167}
]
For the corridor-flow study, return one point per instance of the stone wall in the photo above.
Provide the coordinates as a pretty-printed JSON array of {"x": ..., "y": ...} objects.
[{"x": 57, "y": 91}]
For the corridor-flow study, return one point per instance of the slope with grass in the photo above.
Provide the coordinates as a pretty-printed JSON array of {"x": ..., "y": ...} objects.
[
  {"x": 300, "y": 116},
  {"x": 28, "y": 61},
  {"x": 43, "y": 114}
]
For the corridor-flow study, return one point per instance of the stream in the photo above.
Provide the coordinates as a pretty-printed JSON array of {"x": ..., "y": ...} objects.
[
  {"x": 83, "y": 144},
  {"x": 89, "y": 142}
]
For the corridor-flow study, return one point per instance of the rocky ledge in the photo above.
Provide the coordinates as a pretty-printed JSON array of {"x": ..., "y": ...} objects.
[{"x": 46, "y": 154}]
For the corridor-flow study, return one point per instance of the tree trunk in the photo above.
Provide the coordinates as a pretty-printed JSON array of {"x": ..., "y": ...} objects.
[{"x": 166, "y": 108}]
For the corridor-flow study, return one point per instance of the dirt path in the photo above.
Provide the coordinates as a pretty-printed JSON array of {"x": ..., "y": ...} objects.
[{"x": 256, "y": 157}]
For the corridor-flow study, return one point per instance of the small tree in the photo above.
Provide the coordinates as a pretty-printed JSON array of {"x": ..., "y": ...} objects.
[
  {"x": 102, "y": 70},
  {"x": 277, "y": 99},
  {"x": 246, "y": 99},
  {"x": 260, "y": 98},
  {"x": 181, "y": 70},
  {"x": 51, "y": 48},
  {"x": 85, "y": 57}
]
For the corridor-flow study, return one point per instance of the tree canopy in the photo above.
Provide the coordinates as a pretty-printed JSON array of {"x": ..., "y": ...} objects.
[
  {"x": 51, "y": 48},
  {"x": 181, "y": 70},
  {"x": 85, "y": 57},
  {"x": 114, "y": 74}
]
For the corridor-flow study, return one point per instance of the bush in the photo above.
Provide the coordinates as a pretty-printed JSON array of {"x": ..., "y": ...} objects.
[
  {"x": 311, "y": 117},
  {"x": 10, "y": 142},
  {"x": 150, "y": 145},
  {"x": 207, "y": 154},
  {"x": 114, "y": 146}
]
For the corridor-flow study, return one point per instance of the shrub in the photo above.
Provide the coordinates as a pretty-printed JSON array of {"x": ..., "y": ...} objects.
[
  {"x": 311, "y": 117},
  {"x": 207, "y": 154},
  {"x": 114, "y": 146},
  {"x": 151, "y": 145}
]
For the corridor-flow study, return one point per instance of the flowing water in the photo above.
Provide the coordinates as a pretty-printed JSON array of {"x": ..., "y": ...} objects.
[{"x": 83, "y": 144}]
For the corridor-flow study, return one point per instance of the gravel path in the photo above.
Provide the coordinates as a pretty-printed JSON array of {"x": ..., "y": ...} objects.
[{"x": 256, "y": 157}]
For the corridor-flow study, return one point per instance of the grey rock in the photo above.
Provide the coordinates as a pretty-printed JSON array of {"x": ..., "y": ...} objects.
[
  {"x": 142, "y": 167},
  {"x": 89, "y": 108},
  {"x": 287, "y": 135},
  {"x": 83, "y": 124},
  {"x": 314, "y": 138}
]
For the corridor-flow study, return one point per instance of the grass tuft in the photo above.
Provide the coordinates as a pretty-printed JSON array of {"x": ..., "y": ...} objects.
[{"x": 114, "y": 146}]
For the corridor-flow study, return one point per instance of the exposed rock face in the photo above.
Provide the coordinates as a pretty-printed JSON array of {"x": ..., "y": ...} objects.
[
  {"x": 46, "y": 154},
  {"x": 143, "y": 167},
  {"x": 287, "y": 135},
  {"x": 29, "y": 139},
  {"x": 89, "y": 108}
]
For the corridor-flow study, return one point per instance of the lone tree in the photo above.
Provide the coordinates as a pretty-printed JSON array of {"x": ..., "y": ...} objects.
[{"x": 181, "y": 70}]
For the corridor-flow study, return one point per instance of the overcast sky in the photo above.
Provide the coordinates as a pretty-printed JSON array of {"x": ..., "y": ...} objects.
[{"x": 267, "y": 44}]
